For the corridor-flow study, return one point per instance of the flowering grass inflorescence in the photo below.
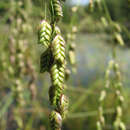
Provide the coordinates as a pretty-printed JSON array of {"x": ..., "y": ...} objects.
[{"x": 53, "y": 61}]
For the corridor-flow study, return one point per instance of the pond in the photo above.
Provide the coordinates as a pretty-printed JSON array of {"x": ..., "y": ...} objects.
[{"x": 93, "y": 55}]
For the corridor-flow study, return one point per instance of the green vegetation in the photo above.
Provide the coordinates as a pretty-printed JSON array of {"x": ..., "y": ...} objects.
[{"x": 85, "y": 50}]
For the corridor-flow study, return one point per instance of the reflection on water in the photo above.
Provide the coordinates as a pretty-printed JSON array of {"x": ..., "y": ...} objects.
[{"x": 93, "y": 55}]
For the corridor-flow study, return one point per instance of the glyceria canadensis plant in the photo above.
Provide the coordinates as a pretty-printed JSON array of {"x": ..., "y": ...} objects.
[
  {"x": 70, "y": 38},
  {"x": 116, "y": 83},
  {"x": 118, "y": 123},
  {"x": 112, "y": 75},
  {"x": 53, "y": 60},
  {"x": 18, "y": 62}
]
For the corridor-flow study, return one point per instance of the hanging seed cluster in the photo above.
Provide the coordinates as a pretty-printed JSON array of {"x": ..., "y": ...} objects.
[
  {"x": 113, "y": 76},
  {"x": 115, "y": 30},
  {"x": 17, "y": 54},
  {"x": 53, "y": 60},
  {"x": 56, "y": 10},
  {"x": 113, "y": 68},
  {"x": 101, "y": 119},
  {"x": 117, "y": 37},
  {"x": 19, "y": 46},
  {"x": 118, "y": 123},
  {"x": 71, "y": 36},
  {"x": 71, "y": 47}
]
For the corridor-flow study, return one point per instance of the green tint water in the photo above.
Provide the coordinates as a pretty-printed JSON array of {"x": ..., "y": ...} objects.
[{"x": 93, "y": 54}]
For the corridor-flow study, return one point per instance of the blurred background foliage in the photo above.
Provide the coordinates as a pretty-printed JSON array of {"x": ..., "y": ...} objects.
[{"x": 24, "y": 101}]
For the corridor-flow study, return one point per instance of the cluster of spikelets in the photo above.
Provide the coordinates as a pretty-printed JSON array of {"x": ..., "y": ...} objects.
[
  {"x": 17, "y": 49},
  {"x": 118, "y": 123},
  {"x": 56, "y": 10},
  {"x": 71, "y": 47},
  {"x": 101, "y": 119},
  {"x": 113, "y": 75},
  {"x": 113, "y": 67},
  {"x": 116, "y": 31},
  {"x": 53, "y": 61},
  {"x": 112, "y": 27}
]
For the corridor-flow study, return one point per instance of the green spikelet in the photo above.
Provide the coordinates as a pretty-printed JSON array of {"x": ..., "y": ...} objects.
[
  {"x": 104, "y": 21},
  {"x": 58, "y": 49},
  {"x": 55, "y": 94},
  {"x": 57, "y": 31},
  {"x": 99, "y": 127},
  {"x": 57, "y": 88},
  {"x": 57, "y": 74},
  {"x": 118, "y": 38},
  {"x": 72, "y": 57},
  {"x": 44, "y": 33},
  {"x": 55, "y": 120},
  {"x": 118, "y": 124},
  {"x": 45, "y": 61},
  {"x": 63, "y": 105},
  {"x": 57, "y": 9}
]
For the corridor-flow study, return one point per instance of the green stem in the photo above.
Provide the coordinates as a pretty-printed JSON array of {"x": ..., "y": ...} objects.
[{"x": 106, "y": 11}]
